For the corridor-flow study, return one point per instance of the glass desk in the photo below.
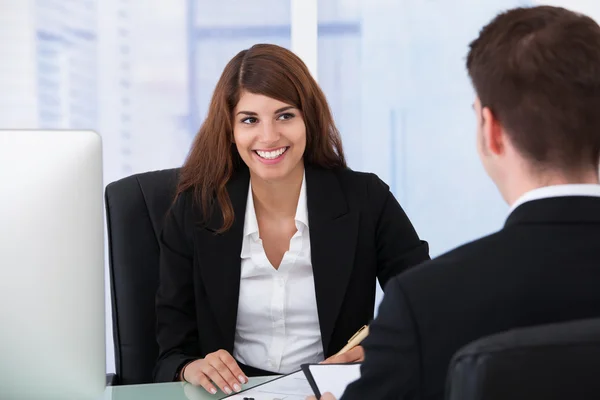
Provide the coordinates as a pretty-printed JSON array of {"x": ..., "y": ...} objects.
[{"x": 169, "y": 391}]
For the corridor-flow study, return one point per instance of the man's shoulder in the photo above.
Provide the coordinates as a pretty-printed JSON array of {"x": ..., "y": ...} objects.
[{"x": 457, "y": 267}]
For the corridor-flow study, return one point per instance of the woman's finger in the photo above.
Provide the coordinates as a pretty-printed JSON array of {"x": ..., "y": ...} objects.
[
  {"x": 203, "y": 381},
  {"x": 233, "y": 366},
  {"x": 217, "y": 379}
]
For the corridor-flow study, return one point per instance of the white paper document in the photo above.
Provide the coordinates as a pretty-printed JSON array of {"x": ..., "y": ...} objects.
[
  {"x": 334, "y": 378},
  {"x": 331, "y": 378},
  {"x": 290, "y": 387}
]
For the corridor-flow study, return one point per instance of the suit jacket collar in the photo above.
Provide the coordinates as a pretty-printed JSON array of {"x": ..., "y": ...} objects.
[
  {"x": 566, "y": 209},
  {"x": 333, "y": 232},
  {"x": 578, "y": 189},
  {"x": 218, "y": 258}
]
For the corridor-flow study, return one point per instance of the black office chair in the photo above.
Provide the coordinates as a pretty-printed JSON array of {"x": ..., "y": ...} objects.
[
  {"x": 550, "y": 362},
  {"x": 135, "y": 210}
]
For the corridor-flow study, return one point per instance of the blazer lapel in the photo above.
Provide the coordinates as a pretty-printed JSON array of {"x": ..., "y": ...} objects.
[
  {"x": 219, "y": 258},
  {"x": 333, "y": 233}
]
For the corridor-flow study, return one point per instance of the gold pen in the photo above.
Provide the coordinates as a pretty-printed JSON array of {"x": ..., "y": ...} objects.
[{"x": 355, "y": 340}]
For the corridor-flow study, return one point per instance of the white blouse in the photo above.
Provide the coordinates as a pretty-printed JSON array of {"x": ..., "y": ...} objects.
[{"x": 277, "y": 322}]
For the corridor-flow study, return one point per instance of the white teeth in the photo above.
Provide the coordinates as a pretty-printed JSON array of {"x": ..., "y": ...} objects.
[{"x": 269, "y": 155}]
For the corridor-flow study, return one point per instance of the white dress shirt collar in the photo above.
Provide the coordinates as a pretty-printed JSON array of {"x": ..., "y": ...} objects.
[
  {"x": 250, "y": 222},
  {"x": 588, "y": 189},
  {"x": 277, "y": 327}
]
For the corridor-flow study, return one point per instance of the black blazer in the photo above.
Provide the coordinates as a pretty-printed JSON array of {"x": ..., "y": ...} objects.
[
  {"x": 542, "y": 267},
  {"x": 358, "y": 233}
]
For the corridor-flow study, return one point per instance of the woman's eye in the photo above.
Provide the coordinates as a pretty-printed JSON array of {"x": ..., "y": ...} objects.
[
  {"x": 286, "y": 116},
  {"x": 249, "y": 120}
]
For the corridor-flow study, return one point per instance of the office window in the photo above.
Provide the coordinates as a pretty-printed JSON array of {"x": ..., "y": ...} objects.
[
  {"x": 394, "y": 73},
  {"x": 48, "y": 68},
  {"x": 125, "y": 83},
  {"x": 49, "y": 100},
  {"x": 178, "y": 53},
  {"x": 222, "y": 29},
  {"x": 48, "y": 115}
]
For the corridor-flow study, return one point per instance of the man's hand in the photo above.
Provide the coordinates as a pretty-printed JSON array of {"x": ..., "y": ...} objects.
[
  {"x": 356, "y": 354},
  {"x": 326, "y": 396}
]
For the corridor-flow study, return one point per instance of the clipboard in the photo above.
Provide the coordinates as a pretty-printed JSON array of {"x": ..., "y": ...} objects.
[
  {"x": 330, "y": 377},
  {"x": 311, "y": 380},
  {"x": 296, "y": 387}
]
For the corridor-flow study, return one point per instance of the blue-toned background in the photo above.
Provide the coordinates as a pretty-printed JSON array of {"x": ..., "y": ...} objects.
[{"x": 141, "y": 73}]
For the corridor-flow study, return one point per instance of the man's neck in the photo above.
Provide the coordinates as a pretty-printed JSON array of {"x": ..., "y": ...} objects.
[
  {"x": 525, "y": 184},
  {"x": 277, "y": 199}
]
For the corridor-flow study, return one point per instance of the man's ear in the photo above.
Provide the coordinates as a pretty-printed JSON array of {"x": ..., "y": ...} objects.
[{"x": 493, "y": 132}]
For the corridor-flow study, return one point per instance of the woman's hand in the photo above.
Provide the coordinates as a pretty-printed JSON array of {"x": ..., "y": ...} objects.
[
  {"x": 218, "y": 368},
  {"x": 355, "y": 354}
]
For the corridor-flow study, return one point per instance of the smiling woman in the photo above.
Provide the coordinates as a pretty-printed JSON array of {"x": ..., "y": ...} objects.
[
  {"x": 271, "y": 139},
  {"x": 258, "y": 85},
  {"x": 272, "y": 248}
]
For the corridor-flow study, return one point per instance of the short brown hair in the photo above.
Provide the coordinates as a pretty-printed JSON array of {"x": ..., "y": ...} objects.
[
  {"x": 538, "y": 70},
  {"x": 271, "y": 71}
]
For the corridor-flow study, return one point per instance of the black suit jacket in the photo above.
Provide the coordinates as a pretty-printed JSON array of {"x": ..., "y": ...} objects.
[
  {"x": 542, "y": 267},
  {"x": 358, "y": 233}
]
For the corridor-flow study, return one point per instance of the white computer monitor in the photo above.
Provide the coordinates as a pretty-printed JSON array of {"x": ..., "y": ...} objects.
[{"x": 52, "y": 324}]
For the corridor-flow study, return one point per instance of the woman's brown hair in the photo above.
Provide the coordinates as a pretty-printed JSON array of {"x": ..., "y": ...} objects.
[{"x": 271, "y": 71}]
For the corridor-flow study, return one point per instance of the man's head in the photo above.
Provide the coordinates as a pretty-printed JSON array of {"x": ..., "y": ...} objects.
[{"x": 536, "y": 73}]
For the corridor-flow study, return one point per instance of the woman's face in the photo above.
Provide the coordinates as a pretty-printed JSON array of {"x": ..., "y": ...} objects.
[{"x": 270, "y": 136}]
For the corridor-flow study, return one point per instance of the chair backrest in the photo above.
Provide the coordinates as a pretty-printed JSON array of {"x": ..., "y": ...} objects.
[
  {"x": 135, "y": 210},
  {"x": 555, "y": 361}
]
